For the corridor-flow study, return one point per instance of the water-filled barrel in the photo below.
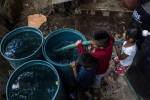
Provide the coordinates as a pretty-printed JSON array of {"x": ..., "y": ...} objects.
[
  {"x": 21, "y": 45},
  {"x": 34, "y": 80},
  {"x": 61, "y": 60}
]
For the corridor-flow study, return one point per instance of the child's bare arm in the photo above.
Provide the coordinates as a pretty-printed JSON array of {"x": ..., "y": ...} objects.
[
  {"x": 73, "y": 65},
  {"x": 118, "y": 52},
  {"x": 123, "y": 56}
]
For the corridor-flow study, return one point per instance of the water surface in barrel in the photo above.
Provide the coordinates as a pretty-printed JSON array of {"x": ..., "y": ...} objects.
[
  {"x": 22, "y": 45},
  {"x": 34, "y": 84},
  {"x": 66, "y": 56}
]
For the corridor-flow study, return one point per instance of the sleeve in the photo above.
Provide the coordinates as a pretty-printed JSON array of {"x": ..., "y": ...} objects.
[
  {"x": 130, "y": 51},
  {"x": 80, "y": 48}
]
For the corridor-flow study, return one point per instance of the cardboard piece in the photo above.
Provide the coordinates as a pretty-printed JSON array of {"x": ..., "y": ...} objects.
[{"x": 36, "y": 20}]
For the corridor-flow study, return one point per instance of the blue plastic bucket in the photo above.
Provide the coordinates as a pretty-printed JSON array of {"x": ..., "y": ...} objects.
[
  {"x": 34, "y": 80},
  {"x": 62, "y": 60},
  {"x": 21, "y": 45}
]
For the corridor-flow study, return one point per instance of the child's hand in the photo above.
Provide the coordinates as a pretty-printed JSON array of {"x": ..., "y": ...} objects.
[
  {"x": 78, "y": 42},
  {"x": 90, "y": 48}
]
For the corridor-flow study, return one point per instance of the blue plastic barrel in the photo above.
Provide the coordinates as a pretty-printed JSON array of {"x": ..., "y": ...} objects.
[
  {"x": 21, "y": 45},
  {"x": 34, "y": 80},
  {"x": 62, "y": 60}
]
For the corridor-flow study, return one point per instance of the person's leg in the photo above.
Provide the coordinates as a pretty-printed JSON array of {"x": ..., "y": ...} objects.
[
  {"x": 96, "y": 87},
  {"x": 97, "y": 81}
]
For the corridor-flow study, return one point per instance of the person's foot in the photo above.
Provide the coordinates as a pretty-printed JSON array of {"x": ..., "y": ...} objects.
[
  {"x": 88, "y": 95},
  {"x": 97, "y": 94}
]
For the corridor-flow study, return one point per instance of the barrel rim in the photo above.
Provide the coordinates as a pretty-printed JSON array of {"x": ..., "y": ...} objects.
[
  {"x": 49, "y": 65},
  {"x": 11, "y": 32},
  {"x": 51, "y": 34}
]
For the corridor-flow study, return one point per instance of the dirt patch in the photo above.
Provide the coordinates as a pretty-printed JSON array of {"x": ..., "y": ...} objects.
[
  {"x": 4, "y": 74},
  {"x": 113, "y": 89}
]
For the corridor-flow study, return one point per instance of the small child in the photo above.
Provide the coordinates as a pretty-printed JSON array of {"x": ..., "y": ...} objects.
[
  {"x": 84, "y": 71},
  {"x": 101, "y": 49},
  {"x": 128, "y": 50}
]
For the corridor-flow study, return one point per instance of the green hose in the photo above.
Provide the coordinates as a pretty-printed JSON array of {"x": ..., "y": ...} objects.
[{"x": 71, "y": 46}]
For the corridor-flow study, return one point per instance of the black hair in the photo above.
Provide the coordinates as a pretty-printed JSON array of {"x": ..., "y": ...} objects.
[
  {"x": 87, "y": 60},
  {"x": 102, "y": 36},
  {"x": 133, "y": 32}
]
